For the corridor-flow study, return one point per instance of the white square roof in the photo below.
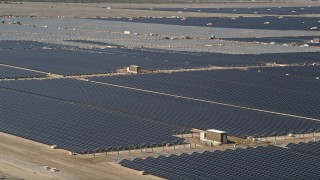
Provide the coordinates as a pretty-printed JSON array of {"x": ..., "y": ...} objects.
[{"x": 216, "y": 131}]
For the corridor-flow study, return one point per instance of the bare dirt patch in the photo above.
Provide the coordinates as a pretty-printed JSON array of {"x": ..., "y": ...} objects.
[{"x": 26, "y": 159}]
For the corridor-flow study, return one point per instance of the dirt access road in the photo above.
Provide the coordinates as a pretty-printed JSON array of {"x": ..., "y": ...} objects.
[{"x": 26, "y": 159}]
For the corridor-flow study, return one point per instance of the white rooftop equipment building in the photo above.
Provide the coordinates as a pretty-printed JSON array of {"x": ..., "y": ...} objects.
[
  {"x": 214, "y": 137},
  {"x": 134, "y": 69}
]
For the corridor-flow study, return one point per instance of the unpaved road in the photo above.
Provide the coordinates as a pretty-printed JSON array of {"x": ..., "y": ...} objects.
[{"x": 25, "y": 159}]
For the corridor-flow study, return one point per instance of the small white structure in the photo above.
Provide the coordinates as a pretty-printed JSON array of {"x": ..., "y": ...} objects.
[
  {"x": 134, "y": 69},
  {"x": 54, "y": 147},
  {"x": 291, "y": 135},
  {"x": 214, "y": 136},
  {"x": 126, "y": 32},
  {"x": 54, "y": 170},
  {"x": 143, "y": 173}
]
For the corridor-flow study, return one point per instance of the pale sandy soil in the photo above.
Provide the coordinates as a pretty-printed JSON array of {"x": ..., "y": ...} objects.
[
  {"x": 25, "y": 159},
  {"x": 4, "y": 176}
]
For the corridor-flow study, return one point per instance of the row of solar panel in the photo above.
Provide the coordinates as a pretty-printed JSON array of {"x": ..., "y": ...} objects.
[
  {"x": 278, "y": 93},
  {"x": 310, "y": 148},
  {"x": 73, "y": 62},
  {"x": 165, "y": 109},
  {"x": 250, "y": 10},
  {"x": 78, "y": 127},
  {"x": 13, "y": 73},
  {"x": 278, "y": 40},
  {"x": 274, "y": 23},
  {"x": 304, "y": 71},
  {"x": 14, "y": 45},
  {"x": 253, "y": 163}
]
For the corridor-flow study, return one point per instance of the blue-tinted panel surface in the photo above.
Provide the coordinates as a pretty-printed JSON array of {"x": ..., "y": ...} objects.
[
  {"x": 166, "y": 109},
  {"x": 252, "y": 163},
  {"x": 309, "y": 148},
  {"x": 266, "y": 91},
  {"x": 12, "y": 73},
  {"x": 278, "y": 40},
  {"x": 302, "y": 71},
  {"x": 275, "y": 23},
  {"x": 75, "y": 126},
  {"x": 79, "y": 61},
  {"x": 250, "y": 10}
]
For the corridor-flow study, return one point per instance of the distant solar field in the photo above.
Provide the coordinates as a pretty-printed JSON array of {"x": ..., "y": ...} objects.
[
  {"x": 249, "y": 10},
  {"x": 279, "y": 40},
  {"x": 302, "y": 71},
  {"x": 265, "y": 22},
  {"x": 58, "y": 60}
]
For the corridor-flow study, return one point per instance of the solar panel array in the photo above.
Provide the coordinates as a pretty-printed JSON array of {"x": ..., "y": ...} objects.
[
  {"x": 251, "y": 163},
  {"x": 64, "y": 31},
  {"x": 275, "y": 23},
  {"x": 249, "y": 10},
  {"x": 85, "y": 116},
  {"x": 78, "y": 127},
  {"x": 305, "y": 71},
  {"x": 13, "y": 73},
  {"x": 278, "y": 93},
  {"x": 80, "y": 61},
  {"x": 63, "y": 62},
  {"x": 171, "y": 110},
  {"x": 299, "y": 39},
  {"x": 312, "y": 148},
  {"x": 14, "y": 45}
]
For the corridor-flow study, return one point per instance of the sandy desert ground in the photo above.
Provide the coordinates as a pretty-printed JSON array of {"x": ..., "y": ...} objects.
[{"x": 25, "y": 159}]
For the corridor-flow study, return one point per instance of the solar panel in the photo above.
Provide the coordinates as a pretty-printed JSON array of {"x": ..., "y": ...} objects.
[
  {"x": 265, "y": 91},
  {"x": 74, "y": 61},
  {"x": 251, "y": 163},
  {"x": 248, "y": 10},
  {"x": 14, "y": 73},
  {"x": 312, "y": 148},
  {"x": 75, "y": 126},
  {"x": 301, "y": 71},
  {"x": 275, "y": 23},
  {"x": 163, "y": 109}
]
